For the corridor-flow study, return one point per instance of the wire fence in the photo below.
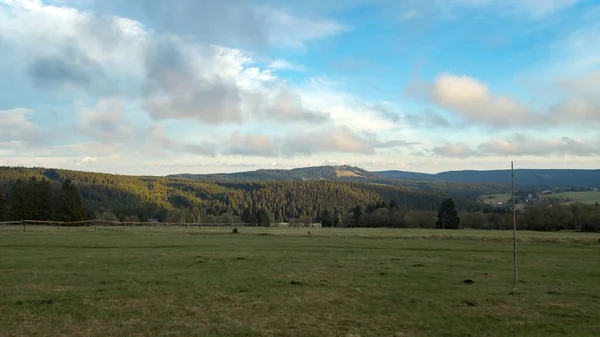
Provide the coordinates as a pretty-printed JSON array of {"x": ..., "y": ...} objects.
[{"x": 104, "y": 223}]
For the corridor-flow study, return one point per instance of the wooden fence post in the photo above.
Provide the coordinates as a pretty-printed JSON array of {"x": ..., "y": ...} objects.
[{"x": 24, "y": 230}]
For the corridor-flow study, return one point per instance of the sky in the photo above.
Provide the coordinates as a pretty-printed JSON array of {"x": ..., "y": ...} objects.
[{"x": 157, "y": 87}]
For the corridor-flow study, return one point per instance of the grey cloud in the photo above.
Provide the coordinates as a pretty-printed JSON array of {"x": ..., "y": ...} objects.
[
  {"x": 523, "y": 145},
  {"x": 582, "y": 105},
  {"x": 251, "y": 145},
  {"x": 575, "y": 111},
  {"x": 15, "y": 127},
  {"x": 186, "y": 84},
  {"x": 70, "y": 67},
  {"x": 173, "y": 77},
  {"x": 106, "y": 122},
  {"x": 218, "y": 103},
  {"x": 454, "y": 150},
  {"x": 202, "y": 165},
  {"x": 371, "y": 137},
  {"x": 160, "y": 144},
  {"x": 225, "y": 22},
  {"x": 287, "y": 106},
  {"x": 427, "y": 119},
  {"x": 211, "y": 21},
  {"x": 339, "y": 139},
  {"x": 101, "y": 30},
  {"x": 386, "y": 113},
  {"x": 394, "y": 143},
  {"x": 206, "y": 149},
  {"x": 176, "y": 89}
]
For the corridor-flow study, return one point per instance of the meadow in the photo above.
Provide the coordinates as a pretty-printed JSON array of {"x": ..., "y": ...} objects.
[
  {"x": 494, "y": 199},
  {"x": 287, "y": 282},
  {"x": 586, "y": 197}
]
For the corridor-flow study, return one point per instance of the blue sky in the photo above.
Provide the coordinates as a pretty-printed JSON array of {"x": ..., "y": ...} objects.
[{"x": 159, "y": 87}]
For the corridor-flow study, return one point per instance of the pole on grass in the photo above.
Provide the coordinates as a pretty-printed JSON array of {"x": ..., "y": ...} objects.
[{"x": 515, "y": 271}]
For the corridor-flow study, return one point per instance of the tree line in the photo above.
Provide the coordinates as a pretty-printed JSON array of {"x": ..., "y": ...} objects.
[
  {"x": 39, "y": 199},
  {"x": 542, "y": 217},
  {"x": 64, "y": 195},
  {"x": 131, "y": 198}
]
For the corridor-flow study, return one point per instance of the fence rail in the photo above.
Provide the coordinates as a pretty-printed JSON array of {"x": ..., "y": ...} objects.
[{"x": 105, "y": 223}]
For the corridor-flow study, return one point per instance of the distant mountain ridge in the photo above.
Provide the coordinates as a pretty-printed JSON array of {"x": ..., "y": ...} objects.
[
  {"x": 304, "y": 173},
  {"x": 556, "y": 178}
]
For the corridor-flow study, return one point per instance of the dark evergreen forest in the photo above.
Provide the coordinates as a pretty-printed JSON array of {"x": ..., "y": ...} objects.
[{"x": 64, "y": 195}]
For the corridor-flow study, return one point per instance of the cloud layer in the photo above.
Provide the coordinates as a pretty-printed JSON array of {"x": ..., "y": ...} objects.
[{"x": 114, "y": 85}]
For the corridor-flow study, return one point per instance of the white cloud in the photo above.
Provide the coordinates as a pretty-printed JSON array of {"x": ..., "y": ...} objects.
[
  {"x": 230, "y": 22},
  {"x": 251, "y": 145},
  {"x": 106, "y": 122},
  {"x": 475, "y": 104},
  {"x": 523, "y": 145},
  {"x": 15, "y": 127},
  {"x": 292, "y": 31},
  {"x": 283, "y": 64},
  {"x": 473, "y": 100},
  {"x": 325, "y": 140},
  {"x": 176, "y": 78},
  {"x": 346, "y": 109},
  {"x": 453, "y": 150}
]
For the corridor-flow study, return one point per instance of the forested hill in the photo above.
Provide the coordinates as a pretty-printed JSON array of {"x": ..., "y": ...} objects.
[
  {"x": 452, "y": 179},
  {"x": 347, "y": 173},
  {"x": 305, "y": 173},
  {"x": 523, "y": 177},
  {"x": 174, "y": 199}
]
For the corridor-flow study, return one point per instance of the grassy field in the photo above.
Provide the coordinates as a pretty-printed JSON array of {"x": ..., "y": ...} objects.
[
  {"x": 285, "y": 282},
  {"x": 587, "y": 197},
  {"x": 494, "y": 199}
]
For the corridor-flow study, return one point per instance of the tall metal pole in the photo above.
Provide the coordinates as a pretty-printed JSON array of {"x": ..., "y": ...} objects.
[{"x": 515, "y": 271}]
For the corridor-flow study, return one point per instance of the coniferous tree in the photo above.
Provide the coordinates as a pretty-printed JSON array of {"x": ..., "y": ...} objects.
[
  {"x": 70, "y": 206},
  {"x": 263, "y": 218},
  {"x": 3, "y": 207},
  {"x": 327, "y": 219},
  {"x": 357, "y": 212},
  {"x": 17, "y": 202},
  {"x": 448, "y": 215},
  {"x": 337, "y": 219},
  {"x": 44, "y": 200},
  {"x": 247, "y": 217},
  {"x": 31, "y": 199}
]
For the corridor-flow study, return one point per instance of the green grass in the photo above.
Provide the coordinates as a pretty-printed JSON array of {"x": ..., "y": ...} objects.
[
  {"x": 283, "y": 282},
  {"x": 587, "y": 197},
  {"x": 494, "y": 199}
]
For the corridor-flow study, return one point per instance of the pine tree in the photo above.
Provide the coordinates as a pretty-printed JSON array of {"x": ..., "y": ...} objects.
[
  {"x": 247, "y": 217},
  {"x": 70, "y": 207},
  {"x": 337, "y": 219},
  {"x": 357, "y": 211},
  {"x": 3, "y": 206},
  {"x": 44, "y": 200},
  {"x": 448, "y": 215},
  {"x": 31, "y": 199},
  {"x": 263, "y": 217},
  {"x": 17, "y": 201},
  {"x": 326, "y": 220}
]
